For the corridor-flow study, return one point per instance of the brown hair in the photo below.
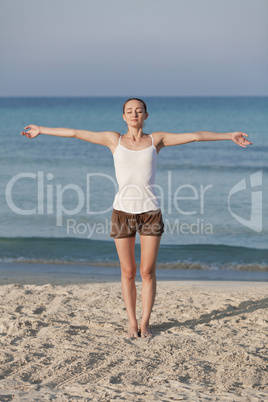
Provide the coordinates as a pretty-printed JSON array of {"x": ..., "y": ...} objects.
[{"x": 140, "y": 100}]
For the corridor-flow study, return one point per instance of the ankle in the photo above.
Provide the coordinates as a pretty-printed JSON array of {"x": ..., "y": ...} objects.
[
  {"x": 144, "y": 323},
  {"x": 133, "y": 324}
]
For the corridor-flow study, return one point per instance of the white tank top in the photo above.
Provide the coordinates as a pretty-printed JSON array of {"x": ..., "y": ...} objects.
[{"x": 135, "y": 174}]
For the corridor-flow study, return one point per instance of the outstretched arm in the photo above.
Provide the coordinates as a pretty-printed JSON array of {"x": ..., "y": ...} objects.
[
  {"x": 237, "y": 136},
  {"x": 163, "y": 139},
  {"x": 107, "y": 138}
]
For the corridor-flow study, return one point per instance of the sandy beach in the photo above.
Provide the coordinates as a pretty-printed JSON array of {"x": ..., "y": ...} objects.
[{"x": 68, "y": 343}]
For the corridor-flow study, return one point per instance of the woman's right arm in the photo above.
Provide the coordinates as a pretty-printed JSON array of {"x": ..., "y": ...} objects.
[{"x": 108, "y": 138}]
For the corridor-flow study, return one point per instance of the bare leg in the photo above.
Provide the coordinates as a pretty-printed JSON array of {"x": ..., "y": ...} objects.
[
  {"x": 149, "y": 250},
  {"x": 125, "y": 249}
]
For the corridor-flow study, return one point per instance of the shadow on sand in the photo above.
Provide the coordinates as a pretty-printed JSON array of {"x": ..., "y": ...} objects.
[{"x": 244, "y": 307}]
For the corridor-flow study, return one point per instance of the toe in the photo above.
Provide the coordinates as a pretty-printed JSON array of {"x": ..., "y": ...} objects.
[
  {"x": 132, "y": 335},
  {"x": 147, "y": 334}
]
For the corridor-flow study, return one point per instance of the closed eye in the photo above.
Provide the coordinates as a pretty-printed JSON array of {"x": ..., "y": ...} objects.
[{"x": 138, "y": 110}]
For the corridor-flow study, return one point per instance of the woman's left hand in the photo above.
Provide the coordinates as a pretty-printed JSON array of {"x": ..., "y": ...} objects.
[{"x": 239, "y": 139}]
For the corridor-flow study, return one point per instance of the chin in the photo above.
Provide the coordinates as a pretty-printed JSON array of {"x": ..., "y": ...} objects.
[{"x": 135, "y": 124}]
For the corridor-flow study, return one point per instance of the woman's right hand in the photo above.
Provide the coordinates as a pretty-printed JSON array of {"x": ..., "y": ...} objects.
[{"x": 33, "y": 131}]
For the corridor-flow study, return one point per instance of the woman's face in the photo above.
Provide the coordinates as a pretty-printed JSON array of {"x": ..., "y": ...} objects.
[{"x": 134, "y": 114}]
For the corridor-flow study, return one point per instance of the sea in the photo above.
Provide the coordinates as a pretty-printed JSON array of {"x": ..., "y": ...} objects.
[{"x": 57, "y": 193}]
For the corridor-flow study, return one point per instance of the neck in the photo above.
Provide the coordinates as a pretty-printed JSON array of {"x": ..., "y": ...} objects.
[{"x": 134, "y": 133}]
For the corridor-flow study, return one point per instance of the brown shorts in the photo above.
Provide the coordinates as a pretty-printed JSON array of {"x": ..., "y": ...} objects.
[{"x": 148, "y": 223}]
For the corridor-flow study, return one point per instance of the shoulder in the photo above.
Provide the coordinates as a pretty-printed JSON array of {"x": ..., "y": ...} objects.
[
  {"x": 113, "y": 134},
  {"x": 113, "y": 139},
  {"x": 158, "y": 137}
]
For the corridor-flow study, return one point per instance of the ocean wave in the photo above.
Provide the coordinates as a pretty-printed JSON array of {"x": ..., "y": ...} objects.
[
  {"x": 103, "y": 253},
  {"x": 175, "y": 266}
]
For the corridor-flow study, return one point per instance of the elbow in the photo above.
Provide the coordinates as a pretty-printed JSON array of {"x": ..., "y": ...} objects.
[
  {"x": 197, "y": 136},
  {"x": 74, "y": 134}
]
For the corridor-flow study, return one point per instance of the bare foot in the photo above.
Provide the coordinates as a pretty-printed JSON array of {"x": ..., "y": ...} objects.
[
  {"x": 145, "y": 331},
  {"x": 133, "y": 331}
]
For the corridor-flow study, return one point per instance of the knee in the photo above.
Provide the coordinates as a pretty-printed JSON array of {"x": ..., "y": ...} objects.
[
  {"x": 147, "y": 273},
  {"x": 128, "y": 273}
]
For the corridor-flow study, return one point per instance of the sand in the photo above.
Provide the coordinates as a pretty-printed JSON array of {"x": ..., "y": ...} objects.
[{"x": 68, "y": 343}]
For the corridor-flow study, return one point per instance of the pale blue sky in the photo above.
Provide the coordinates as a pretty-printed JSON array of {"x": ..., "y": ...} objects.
[{"x": 133, "y": 47}]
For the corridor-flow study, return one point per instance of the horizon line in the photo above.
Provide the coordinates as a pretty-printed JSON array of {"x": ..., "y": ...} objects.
[{"x": 125, "y": 96}]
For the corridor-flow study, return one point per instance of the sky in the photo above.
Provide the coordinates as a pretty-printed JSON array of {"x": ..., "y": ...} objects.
[{"x": 134, "y": 47}]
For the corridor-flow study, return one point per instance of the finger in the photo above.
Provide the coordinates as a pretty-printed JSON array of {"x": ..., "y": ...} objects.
[
  {"x": 25, "y": 128},
  {"x": 240, "y": 143}
]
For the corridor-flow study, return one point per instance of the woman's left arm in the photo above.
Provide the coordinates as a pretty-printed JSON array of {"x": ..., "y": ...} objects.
[
  {"x": 237, "y": 136},
  {"x": 162, "y": 139}
]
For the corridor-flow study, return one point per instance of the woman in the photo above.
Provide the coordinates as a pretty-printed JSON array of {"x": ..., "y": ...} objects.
[{"x": 136, "y": 208}]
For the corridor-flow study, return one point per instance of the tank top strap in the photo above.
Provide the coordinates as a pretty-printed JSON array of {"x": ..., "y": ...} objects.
[
  {"x": 119, "y": 139},
  {"x": 152, "y": 139}
]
